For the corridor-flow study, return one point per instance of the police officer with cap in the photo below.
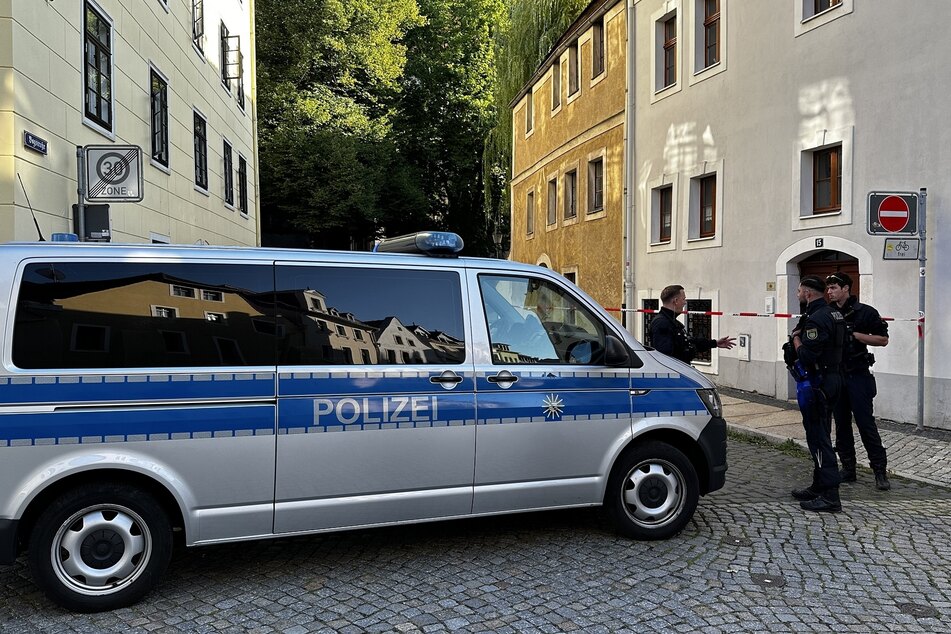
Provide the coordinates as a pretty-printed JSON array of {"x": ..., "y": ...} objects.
[
  {"x": 866, "y": 328},
  {"x": 818, "y": 342}
]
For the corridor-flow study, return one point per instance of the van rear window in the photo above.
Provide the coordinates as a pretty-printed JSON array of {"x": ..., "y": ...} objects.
[{"x": 144, "y": 315}]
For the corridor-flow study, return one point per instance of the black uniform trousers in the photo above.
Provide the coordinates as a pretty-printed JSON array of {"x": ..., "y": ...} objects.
[
  {"x": 856, "y": 399},
  {"x": 817, "y": 421}
]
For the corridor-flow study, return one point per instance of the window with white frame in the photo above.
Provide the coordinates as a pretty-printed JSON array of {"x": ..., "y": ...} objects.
[
  {"x": 167, "y": 312},
  {"x": 596, "y": 185},
  {"x": 201, "y": 151},
  {"x": 556, "y": 84},
  {"x": 159, "y": 116},
  {"x": 530, "y": 213},
  {"x": 704, "y": 203},
  {"x": 700, "y": 325},
  {"x": 668, "y": 44},
  {"x": 227, "y": 172},
  {"x": 708, "y": 206},
  {"x": 176, "y": 290},
  {"x": 812, "y": 14},
  {"x": 552, "y": 201},
  {"x": 97, "y": 67},
  {"x": 574, "y": 80},
  {"x": 662, "y": 199},
  {"x": 571, "y": 194},
  {"x": 597, "y": 47},
  {"x": 212, "y": 296}
]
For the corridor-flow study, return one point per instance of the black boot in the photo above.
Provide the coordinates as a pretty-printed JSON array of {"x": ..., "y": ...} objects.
[
  {"x": 881, "y": 481},
  {"x": 828, "y": 501},
  {"x": 847, "y": 472},
  {"x": 811, "y": 492}
]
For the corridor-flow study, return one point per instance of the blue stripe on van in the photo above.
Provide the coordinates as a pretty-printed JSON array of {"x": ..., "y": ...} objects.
[
  {"x": 135, "y": 424},
  {"x": 134, "y": 387},
  {"x": 669, "y": 402}
]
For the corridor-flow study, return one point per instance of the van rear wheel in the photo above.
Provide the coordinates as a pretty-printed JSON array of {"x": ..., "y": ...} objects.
[
  {"x": 100, "y": 547},
  {"x": 652, "y": 492}
]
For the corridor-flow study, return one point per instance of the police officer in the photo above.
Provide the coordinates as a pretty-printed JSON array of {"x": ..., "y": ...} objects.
[
  {"x": 819, "y": 340},
  {"x": 669, "y": 336},
  {"x": 866, "y": 328}
]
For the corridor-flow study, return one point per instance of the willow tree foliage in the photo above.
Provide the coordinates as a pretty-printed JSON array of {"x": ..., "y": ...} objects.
[{"x": 526, "y": 36}]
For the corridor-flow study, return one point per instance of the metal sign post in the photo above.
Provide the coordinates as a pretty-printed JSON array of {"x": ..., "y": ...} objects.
[
  {"x": 922, "y": 199},
  {"x": 80, "y": 190}
]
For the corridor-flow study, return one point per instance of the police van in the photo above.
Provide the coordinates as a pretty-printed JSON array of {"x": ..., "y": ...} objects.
[{"x": 228, "y": 394}]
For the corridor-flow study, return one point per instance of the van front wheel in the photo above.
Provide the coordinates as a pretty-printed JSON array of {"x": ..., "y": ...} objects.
[
  {"x": 100, "y": 547},
  {"x": 652, "y": 492}
]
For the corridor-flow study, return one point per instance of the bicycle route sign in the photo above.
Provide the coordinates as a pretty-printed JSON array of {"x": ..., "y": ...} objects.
[
  {"x": 113, "y": 173},
  {"x": 901, "y": 249},
  {"x": 893, "y": 213}
]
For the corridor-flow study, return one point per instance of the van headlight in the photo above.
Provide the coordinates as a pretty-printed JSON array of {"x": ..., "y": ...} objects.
[{"x": 711, "y": 398}]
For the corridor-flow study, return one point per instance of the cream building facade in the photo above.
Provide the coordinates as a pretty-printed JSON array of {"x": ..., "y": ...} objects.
[
  {"x": 758, "y": 131},
  {"x": 174, "y": 77}
]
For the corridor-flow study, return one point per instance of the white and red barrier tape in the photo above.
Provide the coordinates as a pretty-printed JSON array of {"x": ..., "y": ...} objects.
[{"x": 720, "y": 313}]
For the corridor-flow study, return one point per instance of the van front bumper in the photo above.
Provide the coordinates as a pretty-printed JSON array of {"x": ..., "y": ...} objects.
[
  {"x": 713, "y": 444},
  {"x": 8, "y": 541}
]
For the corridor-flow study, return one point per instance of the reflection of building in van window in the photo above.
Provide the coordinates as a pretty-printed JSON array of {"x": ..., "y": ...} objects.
[
  {"x": 398, "y": 344},
  {"x": 445, "y": 346},
  {"x": 321, "y": 334}
]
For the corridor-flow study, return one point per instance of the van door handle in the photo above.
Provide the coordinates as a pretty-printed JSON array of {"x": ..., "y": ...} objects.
[
  {"x": 448, "y": 379},
  {"x": 505, "y": 379}
]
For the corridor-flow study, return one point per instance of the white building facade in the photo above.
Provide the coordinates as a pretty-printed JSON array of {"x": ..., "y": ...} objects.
[
  {"x": 760, "y": 128},
  {"x": 174, "y": 77}
]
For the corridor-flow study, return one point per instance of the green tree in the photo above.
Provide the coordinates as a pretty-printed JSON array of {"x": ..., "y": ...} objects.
[
  {"x": 328, "y": 76},
  {"x": 526, "y": 36}
]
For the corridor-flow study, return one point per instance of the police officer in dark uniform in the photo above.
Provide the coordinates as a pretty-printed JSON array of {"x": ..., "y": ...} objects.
[
  {"x": 866, "y": 328},
  {"x": 669, "y": 336},
  {"x": 818, "y": 343}
]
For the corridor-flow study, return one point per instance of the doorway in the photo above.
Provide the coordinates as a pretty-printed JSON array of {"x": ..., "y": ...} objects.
[{"x": 825, "y": 263}]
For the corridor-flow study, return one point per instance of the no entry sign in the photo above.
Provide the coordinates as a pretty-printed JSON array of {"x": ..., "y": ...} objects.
[{"x": 893, "y": 213}]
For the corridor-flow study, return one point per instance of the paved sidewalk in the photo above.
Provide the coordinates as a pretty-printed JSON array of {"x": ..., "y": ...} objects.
[{"x": 924, "y": 456}]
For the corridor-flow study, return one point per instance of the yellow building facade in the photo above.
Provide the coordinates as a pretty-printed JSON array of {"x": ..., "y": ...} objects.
[
  {"x": 567, "y": 189},
  {"x": 174, "y": 77}
]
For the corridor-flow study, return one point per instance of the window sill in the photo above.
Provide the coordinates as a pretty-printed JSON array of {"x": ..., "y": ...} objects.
[
  {"x": 703, "y": 239},
  {"x": 597, "y": 79},
  {"x": 816, "y": 16},
  {"x": 572, "y": 220},
  {"x": 555, "y": 110},
  {"x": 198, "y": 188},
  {"x": 160, "y": 167},
  {"x": 597, "y": 214},
  {"x": 89, "y": 123},
  {"x": 573, "y": 96},
  {"x": 530, "y": 132},
  {"x": 201, "y": 53},
  {"x": 821, "y": 214},
  {"x": 665, "y": 243},
  {"x": 551, "y": 227}
]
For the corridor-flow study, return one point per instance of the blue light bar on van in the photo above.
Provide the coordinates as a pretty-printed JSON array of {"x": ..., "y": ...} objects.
[
  {"x": 64, "y": 237},
  {"x": 425, "y": 242}
]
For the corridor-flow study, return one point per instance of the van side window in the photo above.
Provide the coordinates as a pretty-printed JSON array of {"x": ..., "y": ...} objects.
[
  {"x": 123, "y": 315},
  {"x": 376, "y": 316},
  {"x": 532, "y": 320}
]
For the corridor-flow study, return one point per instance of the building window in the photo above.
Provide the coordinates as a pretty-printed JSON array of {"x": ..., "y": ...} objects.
[
  {"x": 365, "y": 354},
  {"x": 159, "y": 117},
  {"x": 529, "y": 112},
  {"x": 201, "y": 152},
  {"x": 198, "y": 24},
  {"x": 818, "y": 6},
  {"x": 670, "y": 52},
  {"x": 700, "y": 325},
  {"x": 174, "y": 341},
  {"x": 212, "y": 296},
  {"x": 88, "y": 338},
  {"x": 571, "y": 276},
  {"x": 231, "y": 62},
  {"x": 574, "y": 82},
  {"x": 182, "y": 291},
  {"x": 665, "y": 212},
  {"x": 552, "y": 201},
  {"x": 597, "y": 51},
  {"x": 97, "y": 50},
  {"x": 166, "y": 312},
  {"x": 571, "y": 194},
  {"x": 711, "y": 32},
  {"x": 708, "y": 206},
  {"x": 530, "y": 213},
  {"x": 215, "y": 317},
  {"x": 228, "y": 173},
  {"x": 827, "y": 180},
  {"x": 242, "y": 185},
  {"x": 556, "y": 84},
  {"x": 341, "y": 330},
  {"x": 596, "y": 185}
]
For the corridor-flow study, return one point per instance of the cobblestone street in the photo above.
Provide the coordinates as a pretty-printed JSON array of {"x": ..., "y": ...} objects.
[{"x": 751, "y": 561}]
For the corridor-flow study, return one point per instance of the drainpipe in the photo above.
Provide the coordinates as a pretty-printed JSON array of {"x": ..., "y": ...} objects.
[{"x": 629, "y": 175}]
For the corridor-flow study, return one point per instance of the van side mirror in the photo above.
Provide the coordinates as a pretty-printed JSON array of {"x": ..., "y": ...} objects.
[{"x": 615, "y": 352}]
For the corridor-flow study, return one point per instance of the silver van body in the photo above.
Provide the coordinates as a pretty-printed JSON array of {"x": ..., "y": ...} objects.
[{"x": 384, "y": 434}]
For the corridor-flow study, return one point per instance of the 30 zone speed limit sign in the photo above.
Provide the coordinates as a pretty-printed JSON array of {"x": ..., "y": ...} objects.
[{"x": 113, "y": 173}]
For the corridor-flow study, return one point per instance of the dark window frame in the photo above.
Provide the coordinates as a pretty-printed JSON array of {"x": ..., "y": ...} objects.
[
  {"x": 158, "y": 105},
  {"x": 529, "y": 112},
  {"x": 552, "y": 218},
  {"x": 820, "y": 6},
  {"x": 556, "y": 84},
  {"x": 571, "y": 194},
  {"x": 834, "y": 180},
  {"x": 201, "y": 150},
  {"x": 711, "y": 33},
  {"x": 530, "y": 213},
  {"x": 98, "y": 94},
  {"x": 198, "y": 25},
  {"x": 707, "y": 199},
  {"x": 598, "y": 65},
  {"x": 596, "y": 185},
  {"x": 670, "y": 52},
  {"x": 242, "y": 185},
  {"x": 227, "y": 171},
  {"x": 574, "y": 67},
  {"x": 665, "y": 213}
]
